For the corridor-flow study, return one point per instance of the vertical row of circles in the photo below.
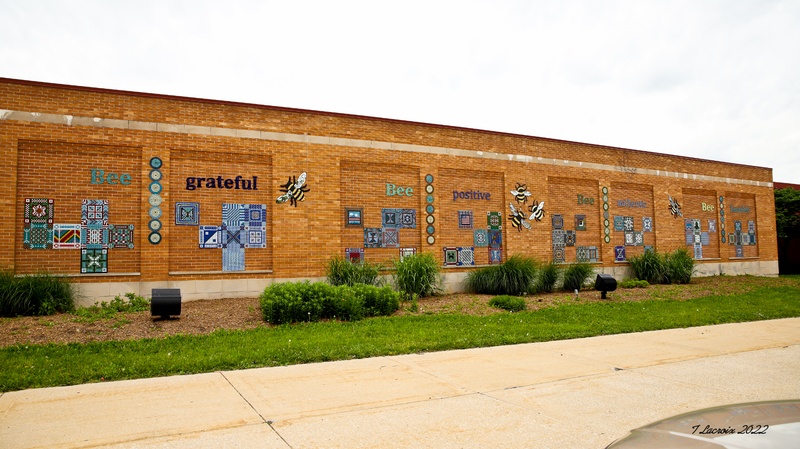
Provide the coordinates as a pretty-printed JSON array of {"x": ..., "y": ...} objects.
[
  {"x": 155, "y": 201},
  {"x": 606, "y": 217},
  {"x": 429, "y": 210},
  {"x": 722, "y": 217}
]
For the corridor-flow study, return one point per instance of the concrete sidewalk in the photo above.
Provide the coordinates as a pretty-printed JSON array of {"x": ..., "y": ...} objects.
[{"x": 582, "y": 393}]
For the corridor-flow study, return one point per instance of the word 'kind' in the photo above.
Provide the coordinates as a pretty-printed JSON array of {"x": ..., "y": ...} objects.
[{"x": 222, "y": 183}]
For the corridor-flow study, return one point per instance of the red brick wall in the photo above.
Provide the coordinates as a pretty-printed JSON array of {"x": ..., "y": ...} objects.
[{"x": 54, "y": 160}]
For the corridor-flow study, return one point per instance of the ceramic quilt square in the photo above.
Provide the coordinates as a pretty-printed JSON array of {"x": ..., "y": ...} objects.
[
  {"x": 391, "y": 238},
  {"x": 405, "y": 252},
  {"x": 593, "y": 257},
  {"x": 120, "y": 236},
  {"x": 373, "y": 237},
  {"x": 255, "y": 237},
  {"x": 495, "y": 256},
  {"x": 94, "y": 212},
  {"x": 619, "y": 225},
  {"x": 408, "y": 218},
  {"x": 739, "y": 251},
  {"x": 354, "y": 255},
  {"x": 712, "y": 225},
  {"x": 37, "y": 236},
  {"x": 481, "y": 238},
  {"x": 450, "y": 256},
  {"x": 232, "y": 236},
  {"x": 558, "y": 221},
  {"x": 210, "y": 237},
  {"x": 465, "y": 219},
  {"x": 390, "y": 218},
  {"x": 94, "y": 261},
  {"x": 559, "y": 237},
  {"x": 255, "y": 214},
  {"x": 94, "y": 236},
  {"x": 559, "y": 254},
  {"x": 233, "y": 214},
  {"x": 580, "y": 222},
  {"x": 466, "y": 255},
  {"x": 66, "y": 236},
  {"x": 627, "y": 223},
  {"x": 582, "y": 254},
  {"x": 647, "y": 224},
  {"x": 233, "y": 258},
  {"x": 638, "y": 239},
  {"x": 354, "y": 217},
  {"x": 629, "y": 238},
  {"x": 619, "y": 254},
  {"x": 698, "y": 251},
  {"x": 187, "y": 214},
  {"x": 495, "y": 238},
  {"x": 569, "y": 238},
  {"x": 38, "y": 210},
  {"x": 494, "y": 220}
]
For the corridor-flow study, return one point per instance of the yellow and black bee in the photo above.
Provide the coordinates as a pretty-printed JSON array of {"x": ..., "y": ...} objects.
[
  {"x": 537, "y": 211},
  {"x": 518, "y": 219},
  {"x": 294, "y": 190},
  {"x": 674, "y": 207},
  {"x": 521, "y": 193}
]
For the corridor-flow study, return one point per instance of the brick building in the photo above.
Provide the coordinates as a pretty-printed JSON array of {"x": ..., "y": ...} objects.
[{"x": 127, "y": 191}]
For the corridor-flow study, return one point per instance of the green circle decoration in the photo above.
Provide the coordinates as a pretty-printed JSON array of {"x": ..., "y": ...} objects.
[
  {"x": 431, "y": 240},
  {"x": 429, "y": 178},
  {"x": 154, "y": 225},
  {"x": 155, "y": 175},
  {"x": 155, "y": 187},
  {"x": 608, "y": 239},
  {"x": 605, "y": 190},
  {"x": 429, "y": 208},
  {"x": 431, "y": 230},
  {"x": 155, "y": 212},
  {"x": 154, "y": 238},
  {"x": 429, "y": 199},
  {"x": 156, "y": 162}
]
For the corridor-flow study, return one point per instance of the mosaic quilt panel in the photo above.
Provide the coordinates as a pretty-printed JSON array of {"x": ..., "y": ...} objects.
[
  {"x": 120, "y": 236},
  {"x": 495, "y": 256},
  {"x": 187, "y": 214},
  {"x": 391, "y": 238},
  {"x": 210, "y": 237},
  {"x": 558, "y": 221},
  {"x": 647, "y": 224},
  {"x": 94, "y": 212},
  {"x": 94, "y": 261},
  {"x": 94, "y": 236},
  {"x": 618, "y": 223},
  {"x": 255, "y": 237},
  {"x": 38, "y": 210},
  {"x": 450, "y": 256},
  {"x": 494, "y": 220},
  {"x": 233, "y": 258},
  {"x": 580, "y": 222},
  {"x": 372, "y": 237},
  {"x": 232, "y": 236},
  {"x": 405, "y": 252},
  {"x": 255, "y": 214},
  {"x": 466, "y": 255},
  {"x": 495, "y": 238},
  {"x": 37, "y": 236},
  {"x": 481, "y": 238},
  {"x": 354, "y": 255},
  {"x": 408, "y": 218},
  {"x": 66, "y": 236},
  {"x": 465, "y": 219},
  {"x": 233, "y": 214},
  {"x": 390, "y": 218},
  {"x": 619, "y": 253}
]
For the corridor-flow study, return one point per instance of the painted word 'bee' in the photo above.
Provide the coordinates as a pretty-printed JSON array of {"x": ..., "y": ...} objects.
[
  {"x": 517, "y": 218},
  {"x": 294, "y": 190},
  {"x": 674, "y": 207},
  {"x": 537, "y": 211},
  {"x": 521, "y": 193}
]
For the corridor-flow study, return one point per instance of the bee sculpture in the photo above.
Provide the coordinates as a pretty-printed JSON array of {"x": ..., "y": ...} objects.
[
  {"x": 518, "y": 219},
  {"x": 294, "y": 190},
  {"x": 674, "y": 207},
  {"x": 521, "y": 193},
  {"x": 537, "y": 211}
]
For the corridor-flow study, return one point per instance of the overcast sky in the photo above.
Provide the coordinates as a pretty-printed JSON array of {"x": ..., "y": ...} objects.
[{"x": 711, "y": 79}]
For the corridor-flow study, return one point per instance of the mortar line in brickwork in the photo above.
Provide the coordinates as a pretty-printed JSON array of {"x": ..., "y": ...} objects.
[{"x": 99, "y": 122}]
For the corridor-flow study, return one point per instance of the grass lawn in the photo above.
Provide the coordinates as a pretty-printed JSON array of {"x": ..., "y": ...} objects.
[{"x": 32, "y": 366}]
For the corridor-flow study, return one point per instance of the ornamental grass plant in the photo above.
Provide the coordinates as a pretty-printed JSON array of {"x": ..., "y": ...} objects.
[
  {"x": 35, "y": 295},
  {"x": 650, "y": 266},
  {"x": 417, "y": 274},
  {"x": 549, "y": 274},
  {"x": 575, "y": 276},
  {"x": 341, "y": 271},
  {"x": 515, "y": 276}
]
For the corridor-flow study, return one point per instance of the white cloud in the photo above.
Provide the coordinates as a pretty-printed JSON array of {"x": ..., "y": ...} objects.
[{"x": 712, "y": 79}]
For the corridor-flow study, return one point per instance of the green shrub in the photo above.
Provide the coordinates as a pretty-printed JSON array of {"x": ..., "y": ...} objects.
[
  {"x": 507, "y": 302},
  {"x": 341, "y": 271},
  {"x": 633, "y": 283},
  {"x": 292, "y": 302},
  {"x": 38, "y": 294},
  {"x": 515, "y": 276},
  {"x": 650, "y": 266},
  {"x": 548, "y": 278},
  {"x": 575, "y": 276},
  {"x": 417, "y": 274},
  {"x": 130, "y": 303},
  {"x": 680, "y": 266}
]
